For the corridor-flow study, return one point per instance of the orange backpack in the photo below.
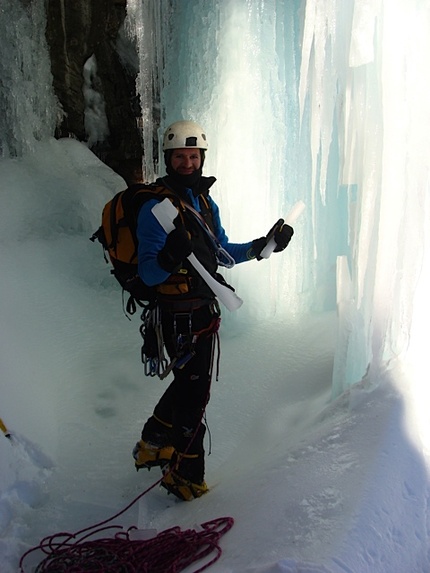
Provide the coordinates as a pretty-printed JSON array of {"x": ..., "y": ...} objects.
[{"x": 117, "y": 234}]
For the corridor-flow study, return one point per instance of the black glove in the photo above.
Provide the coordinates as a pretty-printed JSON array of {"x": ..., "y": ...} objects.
[
  {"x": 257, "y": 246},
  {"x": 177, "y": 248},
  {"x": 282, "y": 234},
  {"x": 282, "y": 237}
]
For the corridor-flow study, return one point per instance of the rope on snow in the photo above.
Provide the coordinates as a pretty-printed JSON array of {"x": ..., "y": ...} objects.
[{"x": 169, "y": 552}]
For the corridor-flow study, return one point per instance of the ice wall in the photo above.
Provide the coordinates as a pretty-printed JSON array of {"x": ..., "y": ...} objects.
[
  {"x": 363, "y": 73},
  {"x": 147, "y": 22},
  {"x": 320, "y": 100},
  {"x": 28, "y": 107}
]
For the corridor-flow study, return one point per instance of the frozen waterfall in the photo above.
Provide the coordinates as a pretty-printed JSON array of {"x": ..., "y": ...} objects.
[
  {"x": 320, "y": 415},
  {"x": 324, "y": 101}
]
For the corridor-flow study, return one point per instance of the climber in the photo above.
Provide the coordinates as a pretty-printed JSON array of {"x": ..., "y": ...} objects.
[{"x": 187, "y": 313}]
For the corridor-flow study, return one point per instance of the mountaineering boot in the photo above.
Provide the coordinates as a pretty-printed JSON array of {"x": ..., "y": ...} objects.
[
  {"x": 184, "y": 489},
  {"x": 154, "y": 448},
  {"x": 147, "y": 455},
  {"x": 184, "y": 476}
]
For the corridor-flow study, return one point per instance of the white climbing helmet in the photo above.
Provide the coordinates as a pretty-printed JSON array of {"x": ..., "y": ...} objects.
[{"x": 184, "y": 134}]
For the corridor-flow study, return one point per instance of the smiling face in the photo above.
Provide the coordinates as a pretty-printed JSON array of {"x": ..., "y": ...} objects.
[{"x": 185, "y": 161}]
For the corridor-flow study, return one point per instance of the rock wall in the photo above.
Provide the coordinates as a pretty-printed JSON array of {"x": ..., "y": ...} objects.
[{"x": 77, "y": 30}]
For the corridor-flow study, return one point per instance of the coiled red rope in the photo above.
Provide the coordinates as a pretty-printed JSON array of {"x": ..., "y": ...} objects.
[{"x": 170, "y": 551}]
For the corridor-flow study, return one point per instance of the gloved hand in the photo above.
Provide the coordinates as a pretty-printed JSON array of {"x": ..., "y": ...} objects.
[
  {"x": 176, "y": 248},
  {"x": 257, "y": 246},
  {"x": 282, "y": 234}
]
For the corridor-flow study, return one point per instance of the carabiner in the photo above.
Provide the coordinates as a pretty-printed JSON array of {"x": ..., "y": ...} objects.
[{"x": 224, "y": 259}]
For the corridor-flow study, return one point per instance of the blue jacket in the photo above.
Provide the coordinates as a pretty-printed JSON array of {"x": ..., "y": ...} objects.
[{"x": 151, "y": 238}]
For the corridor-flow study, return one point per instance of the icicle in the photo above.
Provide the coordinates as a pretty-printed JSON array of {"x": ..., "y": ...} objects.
[{"x": 28, "y": 107}]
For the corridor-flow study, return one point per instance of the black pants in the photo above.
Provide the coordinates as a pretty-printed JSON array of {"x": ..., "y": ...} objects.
[{"x": 178, "y": 414}]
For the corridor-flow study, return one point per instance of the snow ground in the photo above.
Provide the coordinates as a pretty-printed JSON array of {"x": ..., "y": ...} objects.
[{"x": 313, "y": 485}]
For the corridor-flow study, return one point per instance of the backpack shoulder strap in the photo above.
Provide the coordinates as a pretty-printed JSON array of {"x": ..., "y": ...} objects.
[
  {"x": 206, "y": 211},
  {"x": 136, "y": 195}
]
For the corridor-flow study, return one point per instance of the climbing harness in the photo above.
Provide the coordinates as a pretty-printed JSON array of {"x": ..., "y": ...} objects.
[{"x": 153, "y": 354}]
